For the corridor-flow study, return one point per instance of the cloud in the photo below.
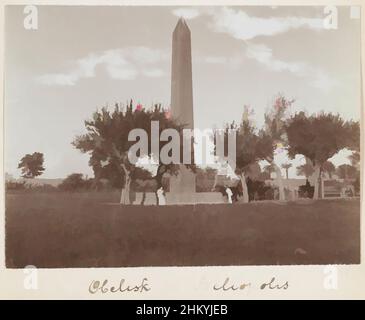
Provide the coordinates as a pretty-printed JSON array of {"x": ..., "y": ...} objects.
[
  {"x": 264, "y": 55},
  {"x": 316, "y": 77},
  {"x": 232, "y": 61},
  {"x": 323, "y": 81},
  {"x": 186, "y": 13},
  {"x": 341, "y": 157},
  {"x": 153, "y": 73},
  {"x": 59, "y": 79},
  {"x": 121, "y": 64},
  {"x": 240, "y": 25},
  {"x": 216, "y": 60}
]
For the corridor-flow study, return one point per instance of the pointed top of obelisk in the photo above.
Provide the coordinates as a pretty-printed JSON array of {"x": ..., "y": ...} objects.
[{"x": 181, "y": 25}]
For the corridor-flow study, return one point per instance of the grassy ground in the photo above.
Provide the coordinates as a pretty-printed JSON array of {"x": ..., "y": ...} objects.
[{"x": 83, "y": 230}]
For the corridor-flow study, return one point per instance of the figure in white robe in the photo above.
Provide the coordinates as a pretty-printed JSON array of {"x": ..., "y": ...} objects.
[
  {"x": 229, "y": 194},
  {"x": 161, "y": 197}
]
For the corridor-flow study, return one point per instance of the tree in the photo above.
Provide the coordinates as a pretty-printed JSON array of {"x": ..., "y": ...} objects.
[
  {"x": 269, "y": 169},
  {"x": 74, "y": 182},
  {"x": 305, "y": 170},
  {"x": 319, "y": 137},
  {"x": 251, "y": 147},
  {"x": 222, "y": 161},
  {"x": 275, "y": 119},
  {"x": 206, "y": 179},
  {"x": 286, "y": 166},
  {"x": 346, "y": 171},
  {"x": 107, "y": 142},
  {"x": 32, "y": 165},
  {"x": 329, "y": 168},
  {"x": 355, "y": 159}
]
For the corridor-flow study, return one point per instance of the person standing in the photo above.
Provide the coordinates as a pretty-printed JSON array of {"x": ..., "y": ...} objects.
[
  {"x": 229, "y": 194},
  {"x": 161, "y": 197}
]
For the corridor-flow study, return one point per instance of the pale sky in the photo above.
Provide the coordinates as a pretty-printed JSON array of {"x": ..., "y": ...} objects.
[{"x": 83, "y": 58}]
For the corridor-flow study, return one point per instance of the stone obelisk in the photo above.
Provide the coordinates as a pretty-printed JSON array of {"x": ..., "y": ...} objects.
[
  {"x": 182, "y": 187},
  {"x": 181, "y": 76}
]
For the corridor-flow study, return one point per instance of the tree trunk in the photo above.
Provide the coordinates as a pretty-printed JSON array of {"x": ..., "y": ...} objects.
[
  {"x": 279, "y": 180},
  {"x": 143, "y": 198},
  {"x": 158, "y": 178},
  {"x": 215, "y": 181},
  {"x": 124, "y": 198},
  {"x": 244, "y": 188},
  {"x": 157, "y": 199},
  {"x": 317, "y": 181},
  {"x": 97, "y": 177}
]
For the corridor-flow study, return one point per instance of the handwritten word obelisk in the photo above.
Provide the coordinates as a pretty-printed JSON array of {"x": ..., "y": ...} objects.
[{"x": 183, "y": 186}]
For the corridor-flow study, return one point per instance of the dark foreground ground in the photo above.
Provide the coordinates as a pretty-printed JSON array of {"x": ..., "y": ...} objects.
[{"x": 70, "y": 230}]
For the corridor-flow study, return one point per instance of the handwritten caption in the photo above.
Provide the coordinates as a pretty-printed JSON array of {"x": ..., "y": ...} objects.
[{"x": 106, "y": 286}]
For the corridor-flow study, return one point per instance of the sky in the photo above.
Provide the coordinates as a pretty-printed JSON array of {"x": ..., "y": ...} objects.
[{"x": 81, "y": 58}]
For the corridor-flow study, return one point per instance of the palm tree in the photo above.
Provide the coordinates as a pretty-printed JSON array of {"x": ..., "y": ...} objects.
[{"x": 286, "y": 166}]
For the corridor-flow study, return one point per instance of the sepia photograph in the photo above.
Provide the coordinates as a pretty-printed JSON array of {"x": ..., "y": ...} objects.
[{"x": 170, "y": 136}]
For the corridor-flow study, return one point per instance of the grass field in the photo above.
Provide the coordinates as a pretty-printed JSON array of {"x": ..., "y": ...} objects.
[{"x": 83, "y": 230}]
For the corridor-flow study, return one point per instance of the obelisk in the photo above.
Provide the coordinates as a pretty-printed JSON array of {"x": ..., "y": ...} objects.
[
  {"x": 182, "y": 187},
  {"x": 181, "y": 76}
]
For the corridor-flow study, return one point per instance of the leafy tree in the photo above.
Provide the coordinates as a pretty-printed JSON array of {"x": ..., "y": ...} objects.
[
  {"x": 206, "y": 179},
  {"x": 346, "y": 171},
  {"x": 251, "y": 147},
  {"x": 8, "y": 177},
  {"x": 286, "y": 167},
  {"x": 74, "y": 182},
  {"x": 107, "y": 142},
  {"x": 353, "y": 137},
  {"x": 15, "y": 185},
  {"x": 221, "y": 160},
  {"x": 319, "y": 137},
  {"x": 269, "y": 169},
  {"x": 305, "y": 170},
  {"x": 355, "y": 159},
  {"x": 275, "y": 119},
  {"x": 329, "y": 168},
  {"x": 31, "y": 165},
  {"x": 254, "y": 172}
]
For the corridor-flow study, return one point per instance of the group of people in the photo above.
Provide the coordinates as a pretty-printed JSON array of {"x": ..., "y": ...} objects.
[
  {"x": 231, "y": 193},
  {"x": 231, "y": 196}
]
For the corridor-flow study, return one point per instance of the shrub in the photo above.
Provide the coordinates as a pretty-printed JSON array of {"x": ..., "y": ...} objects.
[
  {"x": 75, "y": 182},
  {"x": 258, "y": 190},
  {"x": 15, "y": 185},
  {"x": 306, "y": 190},
  {"x": 42, "y": 188},
  {"x": 356, "y": 184}
]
